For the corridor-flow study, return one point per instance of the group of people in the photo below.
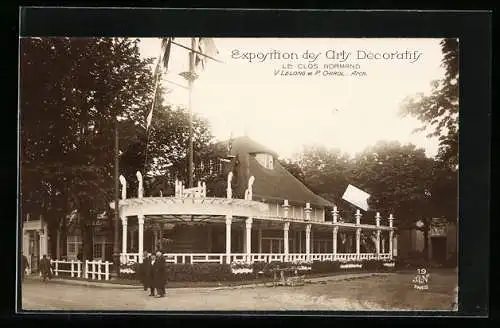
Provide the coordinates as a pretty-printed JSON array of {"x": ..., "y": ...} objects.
[
  {"x": 44, "y": 266},
  {"x": 153, "y": 274}
]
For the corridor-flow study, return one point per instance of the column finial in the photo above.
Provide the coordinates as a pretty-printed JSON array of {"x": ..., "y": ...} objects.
[
  {"x": 249, "y": 191},
  {"x": 123, "y": 182},
  {"x": 308, "y": 210},
  {"x": 140, "y": 187},
  {"x": 358, "y": 217},
  {"x": 335, "y": 213},
  {"x": 286, "y": 206}
]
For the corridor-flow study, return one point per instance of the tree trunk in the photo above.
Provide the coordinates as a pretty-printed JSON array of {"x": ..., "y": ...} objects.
[
  {"x": 64, "y": 237},
  {"x": 86, "y": 227}
]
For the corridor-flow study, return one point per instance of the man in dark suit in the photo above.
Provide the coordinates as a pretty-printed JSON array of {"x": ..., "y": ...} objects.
[
  {"x": 146, "y": 273},
  {"x": 45, "y": 268},
  {"x": 24, "y": 265},
  {"x": 149, "y": 275},
  {"x": 159, "y": 273}
]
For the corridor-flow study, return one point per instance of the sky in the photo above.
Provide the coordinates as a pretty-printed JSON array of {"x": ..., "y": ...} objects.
[{"x": 244, "y": 95}]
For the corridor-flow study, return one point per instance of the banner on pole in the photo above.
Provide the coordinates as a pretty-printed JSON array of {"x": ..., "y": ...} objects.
[{"x": 357, "y": 197}]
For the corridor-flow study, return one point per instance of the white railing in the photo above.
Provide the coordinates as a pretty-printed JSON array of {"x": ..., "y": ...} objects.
[
  {"x": 97, "y": 270},
  {"x": 191, "y": 258},
  {"x": 75, "y": 267},
  {"x": 385, "y": 256}
]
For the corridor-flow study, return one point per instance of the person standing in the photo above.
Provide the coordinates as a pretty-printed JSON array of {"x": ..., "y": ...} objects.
[
  {"x": 24, "y": 265},
  {"x": 150, "y": 277},
  {"x": 159, "y": 274},
  {"x": 146, "y": 271},
  {"x": 45, "y": 268}
]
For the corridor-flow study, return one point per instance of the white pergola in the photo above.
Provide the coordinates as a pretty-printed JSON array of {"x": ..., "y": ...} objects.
[{"x": 193, "y": 204}]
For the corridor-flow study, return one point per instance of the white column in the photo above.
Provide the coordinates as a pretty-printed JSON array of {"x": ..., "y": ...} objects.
[
  {"x": 312, "y": 242},
  {"x": 377, "y": 242},
  {"x": 299, "y": 233},
  {"x": 358, "y": 233},
  {"x": 335, "y": 232},
  {"x": 140, "y": 219},
  {"x": 286, "y": 228},
  {"x": 41, "y": 237},
  {"x": 335, "y": 213},
  {"x": 308, "y": 240},
  {"x": 228, "y": 238},
  {"x": 26, "y": 243},
  {"x": 248, "y": 237},
  {"x": 358, "y": 239},
  {"x": 383, "y": 245},
  {"x": 124, "y": 234},
  {"x": 260, "y": 240},
  {"x": 395, "y": 246},
  {"x": 391, "y": 234}
]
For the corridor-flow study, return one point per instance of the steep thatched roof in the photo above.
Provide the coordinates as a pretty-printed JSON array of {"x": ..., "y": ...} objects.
[{"x": 273, "y": 184}]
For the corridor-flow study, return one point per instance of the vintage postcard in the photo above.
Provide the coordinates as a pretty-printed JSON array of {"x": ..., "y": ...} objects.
[{"x": 267, "y": 174}]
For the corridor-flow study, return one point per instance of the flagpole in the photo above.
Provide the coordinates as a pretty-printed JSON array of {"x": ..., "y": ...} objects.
[{"x": 190, "y": 89}]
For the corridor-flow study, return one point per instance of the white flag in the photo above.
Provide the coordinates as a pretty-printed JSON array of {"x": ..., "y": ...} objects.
[
  {"x": 357, "y": 197},
  {"x": 162, "y": 61},
  {"x": 207, "y": 47}
]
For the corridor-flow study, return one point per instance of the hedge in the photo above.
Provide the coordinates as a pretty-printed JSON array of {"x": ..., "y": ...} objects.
[{"x": 212, "y": 272}]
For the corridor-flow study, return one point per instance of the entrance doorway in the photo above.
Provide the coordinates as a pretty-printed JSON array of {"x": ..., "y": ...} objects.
[{"x": 438, "y": 249}]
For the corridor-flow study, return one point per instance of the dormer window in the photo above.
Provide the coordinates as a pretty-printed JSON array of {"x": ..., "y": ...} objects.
[{"x": 265, "y": 160}]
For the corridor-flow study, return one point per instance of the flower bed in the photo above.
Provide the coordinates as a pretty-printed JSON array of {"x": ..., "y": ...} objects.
[{"x": 129, "y": 271}]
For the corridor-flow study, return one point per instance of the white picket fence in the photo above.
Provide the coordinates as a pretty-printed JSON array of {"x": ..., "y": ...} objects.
[{"x": 95, "y": 270}]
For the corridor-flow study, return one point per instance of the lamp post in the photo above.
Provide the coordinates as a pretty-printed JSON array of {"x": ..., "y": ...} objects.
[{"x": 116, "y": 246}]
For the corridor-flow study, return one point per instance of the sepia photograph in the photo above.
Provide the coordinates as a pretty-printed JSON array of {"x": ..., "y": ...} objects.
[{"x": 238, "y": 174}]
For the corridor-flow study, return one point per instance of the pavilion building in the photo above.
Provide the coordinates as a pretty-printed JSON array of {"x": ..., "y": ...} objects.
[{"x": 266, "y": 214}]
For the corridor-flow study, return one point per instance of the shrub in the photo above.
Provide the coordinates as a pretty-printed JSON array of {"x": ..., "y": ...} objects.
[
  {"x": 325, "y": 266},
  {"x": 373, "y": 265}
]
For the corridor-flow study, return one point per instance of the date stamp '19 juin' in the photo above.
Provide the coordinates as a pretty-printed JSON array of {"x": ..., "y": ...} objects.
[{"x": 421, "y": 279}]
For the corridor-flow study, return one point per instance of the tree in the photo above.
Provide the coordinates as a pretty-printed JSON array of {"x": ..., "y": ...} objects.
[
  {"x": 439, "y": 114},
  {"x": 396, "y": 176},
  {"x": 72, "y": 90},
  {"x": 439, "y": 110},
  {"x": 294, "y": 168},
  {"x": 325, "y": 171}
]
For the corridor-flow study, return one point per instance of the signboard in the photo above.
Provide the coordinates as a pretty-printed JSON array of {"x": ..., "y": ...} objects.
[
  {"x": 438, "y": 231},
  {"x": 357, "y": 197},
  {"x": 437, "y": 228}
]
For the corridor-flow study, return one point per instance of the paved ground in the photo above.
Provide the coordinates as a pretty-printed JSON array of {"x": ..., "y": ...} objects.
[{"x": 389, "y": 292}]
